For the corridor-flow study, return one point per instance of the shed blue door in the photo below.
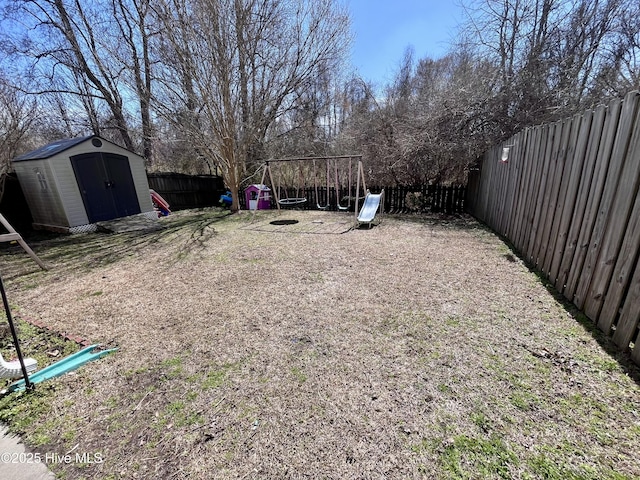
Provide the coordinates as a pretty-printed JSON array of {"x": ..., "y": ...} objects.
[
  {"x": 122, "y": 187},
  {"x": 106, "y": 185}
]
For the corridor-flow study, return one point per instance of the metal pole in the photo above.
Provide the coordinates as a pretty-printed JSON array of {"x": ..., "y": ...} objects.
[
  {"x": 355, "y": 210},
  {"x": 28, "y": 384},
  {"x": 306, "y": 159}
]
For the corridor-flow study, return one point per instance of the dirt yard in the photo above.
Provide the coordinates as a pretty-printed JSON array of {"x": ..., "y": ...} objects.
[{"x": 420, "y": 348}]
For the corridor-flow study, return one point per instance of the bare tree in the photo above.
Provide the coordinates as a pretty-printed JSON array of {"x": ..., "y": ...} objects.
[
  {"x": 17, "y": 114},
  {"x": 96, "y": 51},
  {"x": 236, "y": 66},
  {"x": 431, "y": 123},
  {"x": 549, "y": 54},
  {"x": 137, "y": 29},
  {"x": 312, "y": 125},
  {"x": 621, "y": 72}
]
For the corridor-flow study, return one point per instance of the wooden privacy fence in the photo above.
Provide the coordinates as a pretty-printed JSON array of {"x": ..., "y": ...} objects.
[
  {"x": 566, "y": 195},
  {"x": 187, "y": 191},
  {"x": 399, "y": 199},
  {"x": 424, "y": 198}
]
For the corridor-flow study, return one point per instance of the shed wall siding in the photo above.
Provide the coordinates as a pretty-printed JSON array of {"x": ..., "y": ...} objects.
[
  {"x": 139, "y": 174},
  {"x": 68, "y": 189},
  {"x": 45, "y": 205}
]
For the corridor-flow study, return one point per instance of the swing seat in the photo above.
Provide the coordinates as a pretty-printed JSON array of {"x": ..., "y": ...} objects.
[
  {"x": 12, "y": 369},
  {"x": 292, "y": 201}
]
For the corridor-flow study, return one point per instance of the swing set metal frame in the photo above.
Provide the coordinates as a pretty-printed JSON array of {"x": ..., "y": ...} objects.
[{"x": 299, "y": 200}]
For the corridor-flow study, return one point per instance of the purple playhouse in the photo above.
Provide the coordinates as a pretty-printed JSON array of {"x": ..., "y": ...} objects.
[{"x": 258, "y": 197}]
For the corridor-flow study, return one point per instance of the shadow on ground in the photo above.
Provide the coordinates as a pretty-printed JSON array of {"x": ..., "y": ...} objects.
[
  {"x": 605, "y": 342},
  {"x": 93, "y": 250},
  {"x": 463, "y": 222}
]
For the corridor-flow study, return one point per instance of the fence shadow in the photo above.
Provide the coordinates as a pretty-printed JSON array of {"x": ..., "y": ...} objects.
[
  {"x": 589, "y": 326},
  {"x": 455, "y": 221}
]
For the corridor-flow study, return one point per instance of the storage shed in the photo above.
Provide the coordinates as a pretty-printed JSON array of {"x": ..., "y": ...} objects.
[{"x": 73, "y": 183}]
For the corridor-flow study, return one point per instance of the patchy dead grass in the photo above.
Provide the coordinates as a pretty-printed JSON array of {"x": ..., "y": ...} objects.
[{"x": 421, "y": 348}]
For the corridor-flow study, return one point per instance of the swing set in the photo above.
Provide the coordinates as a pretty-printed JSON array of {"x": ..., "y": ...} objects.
[{"x": 338, "y": 171}]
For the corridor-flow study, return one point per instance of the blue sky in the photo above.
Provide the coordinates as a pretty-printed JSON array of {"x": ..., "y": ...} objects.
[{"x": 384, "y": 28}]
